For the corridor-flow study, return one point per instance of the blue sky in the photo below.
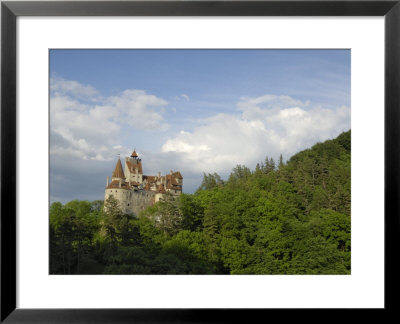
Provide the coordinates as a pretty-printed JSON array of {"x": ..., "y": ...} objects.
[{"x": 188, "y": 110}]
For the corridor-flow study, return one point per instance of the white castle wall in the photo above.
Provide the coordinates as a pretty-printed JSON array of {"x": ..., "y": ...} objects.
[
  {"x": 131, "y": 201},
  {"x": 158, "y": 197},
  {"x": 122, "y": 195},
  {"x": 140, "y": 200}
]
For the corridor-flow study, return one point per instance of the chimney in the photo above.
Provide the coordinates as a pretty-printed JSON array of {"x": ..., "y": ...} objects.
[
  {"x": 159, "y": 174},
  {"x": 120, "y": 181},
  {"x": 107, "y": 181}
]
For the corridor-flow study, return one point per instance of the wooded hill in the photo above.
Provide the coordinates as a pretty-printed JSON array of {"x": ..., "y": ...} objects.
[{"x": 281, "y": 218}]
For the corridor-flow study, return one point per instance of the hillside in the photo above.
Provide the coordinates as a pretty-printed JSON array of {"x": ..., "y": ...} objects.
[{"x": 281, "y": 218}]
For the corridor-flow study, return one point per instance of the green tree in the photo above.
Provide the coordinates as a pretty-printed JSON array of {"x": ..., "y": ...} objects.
[
  {"x": 166, "y": 215},
  {"x": 72, "y": 228},
  {"x": 192, "y": 212},
  {"x": 211, "y": 181},
  {"x": 281, "y": 164}
]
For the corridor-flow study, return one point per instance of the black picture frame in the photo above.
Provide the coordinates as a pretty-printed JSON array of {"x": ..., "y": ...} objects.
[{"x": 10, "y": 10}]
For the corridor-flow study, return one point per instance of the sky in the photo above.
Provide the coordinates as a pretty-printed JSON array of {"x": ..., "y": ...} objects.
[{"x": 189, "y": 110}]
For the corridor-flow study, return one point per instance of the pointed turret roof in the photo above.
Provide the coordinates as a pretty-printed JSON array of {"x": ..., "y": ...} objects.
[
  {"x": 134, "y": 154},
  {"x": 118, "y": 172}
]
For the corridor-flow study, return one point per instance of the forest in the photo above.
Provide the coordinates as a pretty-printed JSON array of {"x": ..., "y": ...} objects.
[{"x": 280, "y": 218}]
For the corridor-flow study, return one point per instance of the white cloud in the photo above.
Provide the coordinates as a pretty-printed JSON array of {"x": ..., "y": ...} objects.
[
  {"x": 59, "y": 86},
  {"x": 185, "y": 96},
  {"x": 182, "y": 96},
  {"x": 93, "y": 131},
  {"x": 270, "y": 101},
  {"x": 268, "y": 125},
  {"x": 139, "y": 109}
]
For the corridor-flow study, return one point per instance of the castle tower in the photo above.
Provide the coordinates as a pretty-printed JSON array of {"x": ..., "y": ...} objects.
[
  {"x": 174, "y": 183},
  {"x": 118, "y": 187},
  {"x": 118, "y": 173},
  {"x": 133, "y": 169}
]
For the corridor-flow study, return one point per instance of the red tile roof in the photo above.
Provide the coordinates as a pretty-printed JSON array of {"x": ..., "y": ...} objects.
[
  {"x": 131, "y": 166},
  {"x": 161, "y": 188},
  {"x": 150, "y": 179},
  {"x": 178, "y": 175},
  {"x": 134, "y": 154},
  {"x": 172, "y": 184},
  {"x": 115, "y": 185}
]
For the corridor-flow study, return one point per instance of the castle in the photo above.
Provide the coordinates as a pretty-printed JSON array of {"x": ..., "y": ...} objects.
[{"x": 135, "y": 191}]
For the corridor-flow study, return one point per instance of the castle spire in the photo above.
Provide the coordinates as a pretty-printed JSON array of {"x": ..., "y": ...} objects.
[
  {"x": 118, "y": 172},
  {"x": 134, "y": 154}
]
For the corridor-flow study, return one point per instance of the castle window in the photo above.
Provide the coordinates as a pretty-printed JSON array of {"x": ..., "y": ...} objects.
[{"x": 128, "y": 204}]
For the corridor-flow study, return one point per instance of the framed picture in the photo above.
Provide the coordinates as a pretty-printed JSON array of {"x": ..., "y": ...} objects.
[{"x": 187, "y": 36}]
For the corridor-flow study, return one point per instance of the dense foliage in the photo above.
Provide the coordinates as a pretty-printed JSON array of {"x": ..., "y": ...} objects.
[{"x": 281, "y": 218}]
